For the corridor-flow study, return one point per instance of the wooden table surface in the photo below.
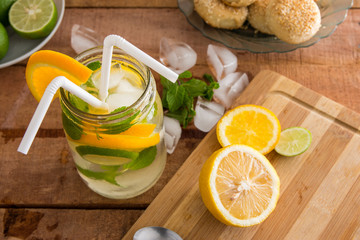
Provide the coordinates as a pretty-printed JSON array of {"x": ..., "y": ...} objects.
[{"x": 41, "y": 194}]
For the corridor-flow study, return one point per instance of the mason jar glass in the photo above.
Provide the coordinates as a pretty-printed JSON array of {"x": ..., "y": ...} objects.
[{"x": 120, "y": 154}]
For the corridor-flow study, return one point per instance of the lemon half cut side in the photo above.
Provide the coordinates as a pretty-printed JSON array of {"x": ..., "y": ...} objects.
[{"x": 239, "y": 186}]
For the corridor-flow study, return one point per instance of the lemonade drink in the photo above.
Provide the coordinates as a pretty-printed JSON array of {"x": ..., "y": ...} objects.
[{"x": 119, "y": 152}]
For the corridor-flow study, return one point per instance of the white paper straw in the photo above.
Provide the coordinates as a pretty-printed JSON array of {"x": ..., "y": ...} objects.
[
  {"x": 115, "y": 40},
  {"x": 45, "y": 102}
]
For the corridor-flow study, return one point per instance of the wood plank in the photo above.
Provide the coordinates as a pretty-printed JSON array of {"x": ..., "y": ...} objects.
[
  {"x": 307, "y": 203},
  {"x": 40, "y": 223}
]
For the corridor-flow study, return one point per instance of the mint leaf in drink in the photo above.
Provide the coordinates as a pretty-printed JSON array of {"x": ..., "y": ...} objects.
[
  {"x": 178, "y": 98},
  {"x": 70, "y": 128},
  {"x": 146, "y": 157},
  {"x": 119, "y": 109},
  {"x": 94, "y": 65},
  {"x": 85, "y": 150},
  {"x": 129, "y": 116},
  {"x": 108, "y": 176},
  {"x": 78, "y": 103}
]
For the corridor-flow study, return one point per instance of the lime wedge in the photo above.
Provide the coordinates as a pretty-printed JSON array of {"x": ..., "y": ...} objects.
[
  {"x": 4, "y": 41},
  {"x": 293, "y": 141},
  {"x": 33, "y": 18}
]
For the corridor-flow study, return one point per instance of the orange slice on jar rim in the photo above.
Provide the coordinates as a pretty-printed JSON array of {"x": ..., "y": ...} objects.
[{"x": 45, "y": 65}]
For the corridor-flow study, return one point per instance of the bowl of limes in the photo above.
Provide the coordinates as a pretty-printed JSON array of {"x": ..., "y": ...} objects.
[{"x": 26, "y": 26}]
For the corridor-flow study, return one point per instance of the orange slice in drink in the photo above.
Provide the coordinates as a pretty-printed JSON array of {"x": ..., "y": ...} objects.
[
  {"x": 139, "y": 136},
  {"x": 140, "y": 130},
  {"x": 250, "y": 125},
  {"x": 239, "y": 186},
  {"x": 45, "y": 65},
  {"x": 119, "y": 141}
]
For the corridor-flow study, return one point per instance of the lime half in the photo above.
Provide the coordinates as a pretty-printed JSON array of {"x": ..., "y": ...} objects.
[
  {"x": 293, "y": 141},
  {"x": 4, "y": 11},
  {"x": 33, "y": 18},
  {"x": 4, "y": 41}
]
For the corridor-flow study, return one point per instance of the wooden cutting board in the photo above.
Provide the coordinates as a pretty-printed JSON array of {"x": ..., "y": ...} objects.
[{"x": 320, "y": 189}]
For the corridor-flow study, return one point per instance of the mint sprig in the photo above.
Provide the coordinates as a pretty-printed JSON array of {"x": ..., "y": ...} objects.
[
  {"x": 178, "y": 98},
  {"x": 109, "y": 173}
]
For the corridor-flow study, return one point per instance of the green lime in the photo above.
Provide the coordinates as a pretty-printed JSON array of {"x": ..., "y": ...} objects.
[
  {"x": 4, "y": 11},
  {"x": 4, "y": 41},
  {"x": 33, "y": 18},
  {"x": 293, "y": 141}
]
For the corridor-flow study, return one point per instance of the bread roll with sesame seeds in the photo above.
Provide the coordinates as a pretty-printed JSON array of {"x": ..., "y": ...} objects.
[
  {"x": 256, "y": 16},
  {"x": 238, "y": 3},
  {"x": 293, "y": 21},
  {"x": 218, "y": 15}
]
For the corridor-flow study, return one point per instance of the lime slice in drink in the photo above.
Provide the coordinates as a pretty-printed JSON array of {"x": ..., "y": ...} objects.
[
  {"x": 33, "y": 18},
  {"x": 4, "y": 41},
  {"x": 293, "y": 141}
]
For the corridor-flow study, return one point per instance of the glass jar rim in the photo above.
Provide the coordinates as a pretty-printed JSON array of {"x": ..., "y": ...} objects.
[{"x": 146, "y": 75}]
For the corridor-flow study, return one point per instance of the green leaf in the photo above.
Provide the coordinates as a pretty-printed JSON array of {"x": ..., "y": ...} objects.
[
  {"x": 166, "y": 83},
  {"x": 179, "y": 98},
  {"x": 146, "y": 157},
  {"x": 89, "y": 83},
  {"x": 119, "y": 109},
  {"x": 208, "y": 77},
  {"x": 94, "y": 65},
  {"x": 108, "y": 176},
  {"x": 71, "y": 129},
  {"x": 181, "y": 115},
  {"x": 78, "y": 103},
  {"x": 175, "y": 97},
  {"x": 186, "y": 74},
  {"x": 163, "y": 99},
  {"x": 210, "y": 90},
  {"x": 91, "y": 150},
  {"x": 121, "y": 126},
  {"x": 195, "y": 87}
]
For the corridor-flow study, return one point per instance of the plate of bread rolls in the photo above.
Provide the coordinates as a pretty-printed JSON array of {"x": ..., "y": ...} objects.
[{"x": 263, "y": 26}]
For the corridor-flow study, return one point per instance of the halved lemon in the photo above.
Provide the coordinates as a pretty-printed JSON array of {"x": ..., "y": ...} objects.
[
  {"x": 45, "y": 65},
  {"x": 250, "y": 125},
  {"x": 239, "y": 186}
]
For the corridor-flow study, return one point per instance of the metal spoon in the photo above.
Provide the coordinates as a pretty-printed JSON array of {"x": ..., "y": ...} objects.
[{"x": 156, "y": 233}]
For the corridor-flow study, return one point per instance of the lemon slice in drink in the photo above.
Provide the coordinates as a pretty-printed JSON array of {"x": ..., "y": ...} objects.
[
  {"x": 33, "y": 18},
  {"x": 293, "y": 141},
  {"x": 239, "y": 186}
]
